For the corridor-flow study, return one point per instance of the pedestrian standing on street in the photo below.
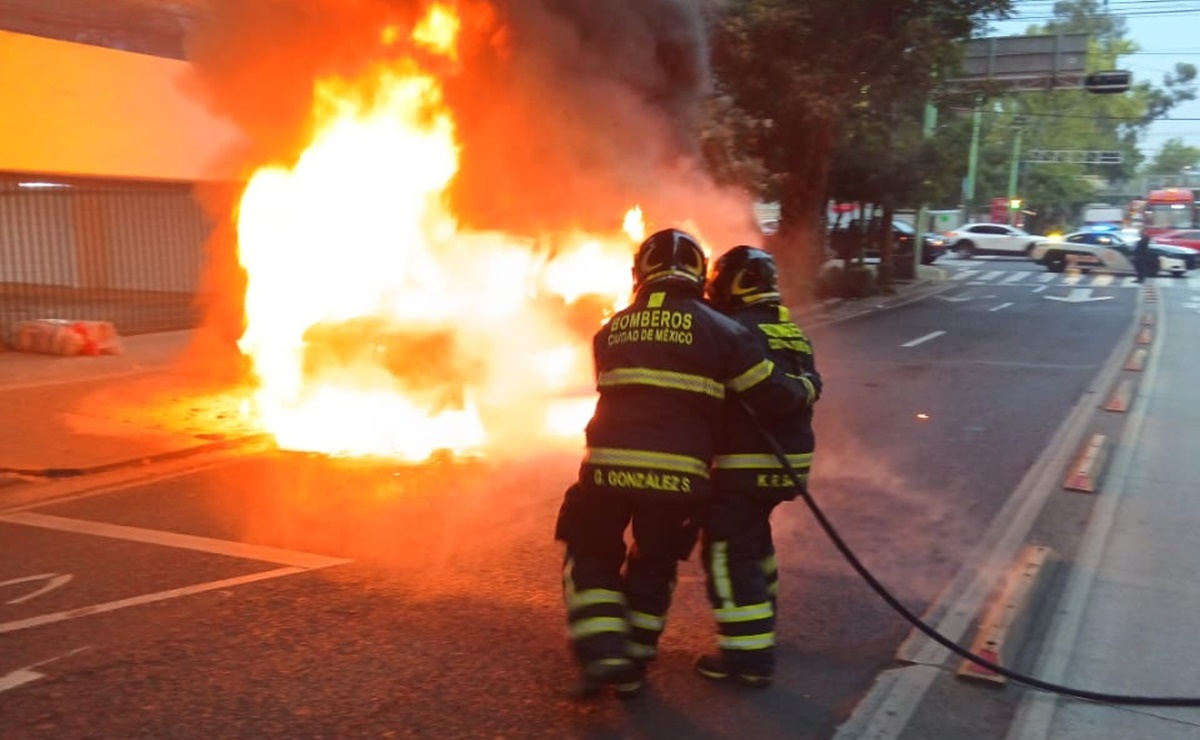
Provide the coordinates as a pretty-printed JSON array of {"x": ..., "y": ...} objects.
[
  {"x": 1144, "y": 261},
  {"x": 749, "y": 479},
  {"x": 664, "y": 366}
]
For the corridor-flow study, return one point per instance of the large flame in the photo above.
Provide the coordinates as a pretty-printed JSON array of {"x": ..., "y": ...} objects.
[{"x": 375, "y": 325}]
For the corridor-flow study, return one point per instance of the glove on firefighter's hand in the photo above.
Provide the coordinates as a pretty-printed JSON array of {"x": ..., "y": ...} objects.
[{"x": 812, "y": 382}]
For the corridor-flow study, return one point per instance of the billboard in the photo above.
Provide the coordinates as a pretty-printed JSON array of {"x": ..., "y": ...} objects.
[{"x": 1043, "y": 62}]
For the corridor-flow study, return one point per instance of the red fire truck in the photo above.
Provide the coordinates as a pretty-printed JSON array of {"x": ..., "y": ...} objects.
[{"x": 1169, "y": 209}]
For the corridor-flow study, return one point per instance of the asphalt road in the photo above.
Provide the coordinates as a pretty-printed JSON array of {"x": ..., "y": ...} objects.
[{"x": 282, "y": 595}]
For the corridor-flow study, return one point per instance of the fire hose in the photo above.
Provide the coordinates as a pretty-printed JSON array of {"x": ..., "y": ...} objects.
[{"x": 916, "y": 621}]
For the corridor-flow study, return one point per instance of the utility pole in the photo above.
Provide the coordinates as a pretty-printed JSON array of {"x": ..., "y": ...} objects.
[
  {"x": 1018, "y": 126},
  {"x": 973, "y": 159}
]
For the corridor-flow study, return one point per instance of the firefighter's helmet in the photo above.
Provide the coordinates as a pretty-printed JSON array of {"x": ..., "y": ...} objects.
[
  {"x": 744, "y": 276},
  {"x": 670, "y": 255}
]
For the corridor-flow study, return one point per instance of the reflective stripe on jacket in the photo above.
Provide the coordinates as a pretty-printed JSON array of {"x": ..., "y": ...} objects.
[
  {"x": 664, "y": 367},
  {"x": 744, "y": 463}
]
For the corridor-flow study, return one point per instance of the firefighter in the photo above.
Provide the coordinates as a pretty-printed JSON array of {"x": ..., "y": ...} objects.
[
  {"x": 749, "y": 480},
  {"x": 664, "y": 366}
]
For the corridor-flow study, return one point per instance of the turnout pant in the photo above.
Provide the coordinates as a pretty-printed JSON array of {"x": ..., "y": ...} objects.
[
  {"x": 742, "y": 580},
  {"x": 617, "y": 599}
]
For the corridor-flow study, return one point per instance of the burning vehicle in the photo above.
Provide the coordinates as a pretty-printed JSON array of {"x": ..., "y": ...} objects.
[{"x": 442, "y": 203}]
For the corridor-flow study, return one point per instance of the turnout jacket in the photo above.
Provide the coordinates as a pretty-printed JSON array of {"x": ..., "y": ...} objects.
[
  {"x": 664, "y": 367},
  {"x": 745, "y": 463}
]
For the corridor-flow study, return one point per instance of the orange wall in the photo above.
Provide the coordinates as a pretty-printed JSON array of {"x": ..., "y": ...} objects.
[{"x": 84, "y": 110}]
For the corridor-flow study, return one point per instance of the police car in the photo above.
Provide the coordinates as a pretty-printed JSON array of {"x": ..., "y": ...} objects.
[{"x": 1108, "y": 251}]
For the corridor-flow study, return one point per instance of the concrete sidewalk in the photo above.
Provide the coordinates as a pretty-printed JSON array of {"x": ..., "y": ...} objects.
[{"x": 74, "y": 415}]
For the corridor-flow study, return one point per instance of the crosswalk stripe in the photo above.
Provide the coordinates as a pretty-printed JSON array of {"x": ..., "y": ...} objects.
[{"x": 1070, "y": 279}]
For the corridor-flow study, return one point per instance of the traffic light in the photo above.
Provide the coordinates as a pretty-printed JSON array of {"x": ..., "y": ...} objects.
[
  {"x": 1107, "y": 83},
  {"x": 1014, "y": 204}
]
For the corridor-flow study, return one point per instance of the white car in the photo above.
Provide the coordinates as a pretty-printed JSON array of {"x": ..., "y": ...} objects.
[
  {"x": 1108, "y": 252},
  {"x": 972, "y": 239}
]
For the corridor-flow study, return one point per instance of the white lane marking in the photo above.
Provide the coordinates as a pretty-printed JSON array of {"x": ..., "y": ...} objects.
[
  {"x": 173, "y": 539},
  {"x": 1193, "y": 283},
  {"x": 992, "y": 275},
  {"x": 1014, "y": 277},
  {"x": 1040, "y": 288},
  {"x": 964, "y": 274},
  {"x": 1001, "y": 307},
  {"x": 1047, "y": 277},
  {"x": 25, "y": 675},
  {"x": 174, "y": 593},
  {"x": 922, "y": 340},
  {"x": 1075, "y": 279},
  {"x": 19, "y": 677},
  {"x": 1078, "y": 295},
  {"x": 53, "y": 581},
  {"x": 1103, "y": 280}
]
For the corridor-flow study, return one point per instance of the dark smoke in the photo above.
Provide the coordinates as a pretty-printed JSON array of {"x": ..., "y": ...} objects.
[
  {"x": 596, "y": 109},
  {"x": 569, "y": 111}
]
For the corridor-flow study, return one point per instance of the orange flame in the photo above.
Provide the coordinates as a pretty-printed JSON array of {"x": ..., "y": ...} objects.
[
  {"x": 439, "y": 31},
  {"x": 374, "y": 324}
]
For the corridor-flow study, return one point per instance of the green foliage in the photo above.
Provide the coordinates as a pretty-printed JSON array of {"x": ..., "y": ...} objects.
[
  {"x": 820, "y": 72},
  {"x": 1173, "y": 158},
  {"x": 823, "y": 98},
  {"x": 1071, "y": 120}
]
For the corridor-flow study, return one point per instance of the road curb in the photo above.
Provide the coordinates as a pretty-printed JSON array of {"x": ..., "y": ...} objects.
[
  {"x": 1085, "y": 472},
  {"x": 1003, "y": 631}
]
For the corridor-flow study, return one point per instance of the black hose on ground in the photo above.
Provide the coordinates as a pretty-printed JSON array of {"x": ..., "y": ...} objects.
[{"x": 915, "y": 621}]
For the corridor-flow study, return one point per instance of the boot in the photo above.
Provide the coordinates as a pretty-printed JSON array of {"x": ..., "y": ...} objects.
[
  {"x": 622, "y": 674},
  {"x": 713, "y": 667}
]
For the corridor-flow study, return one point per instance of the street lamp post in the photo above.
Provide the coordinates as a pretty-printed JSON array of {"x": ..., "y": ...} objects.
[{"x": 1018, "y": 125}]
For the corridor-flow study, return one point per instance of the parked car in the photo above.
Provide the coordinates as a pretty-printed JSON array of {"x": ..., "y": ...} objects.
[
  {"x": 932, "y": 245},
  {"x": 1108, "y": 251},
  {"x": 972, "y": 239},
  {"x": 844, "y": 241},
  {"x": 1189, "y": 238}
]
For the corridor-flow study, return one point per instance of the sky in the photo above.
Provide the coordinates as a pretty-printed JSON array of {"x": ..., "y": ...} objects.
[{"x": 1167, "y": 31}]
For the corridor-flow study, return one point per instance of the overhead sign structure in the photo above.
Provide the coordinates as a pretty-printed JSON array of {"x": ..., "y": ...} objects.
[
  {"x": 1074, "y": 156},
  {"x": 1108, "y": 82},
  {"x": 1044, "y": 62}
]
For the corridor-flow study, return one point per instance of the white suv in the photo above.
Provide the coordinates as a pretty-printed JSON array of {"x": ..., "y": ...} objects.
[{"x": 972, "y": 239}]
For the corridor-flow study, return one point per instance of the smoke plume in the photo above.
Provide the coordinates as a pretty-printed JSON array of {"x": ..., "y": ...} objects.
[{"x": 569, "y": 111}]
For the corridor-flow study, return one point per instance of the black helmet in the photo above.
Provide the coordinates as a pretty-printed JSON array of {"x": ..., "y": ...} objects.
[
  {"x": 744, "y": 276},
  {"x": 670, "y": 255}
]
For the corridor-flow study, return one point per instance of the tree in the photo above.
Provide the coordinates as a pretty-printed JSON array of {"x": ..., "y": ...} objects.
[
  {"x": 802, "y": 66},
  {"x": 1076, "y": 120},
  {"x": 1173, "y": 158}
]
